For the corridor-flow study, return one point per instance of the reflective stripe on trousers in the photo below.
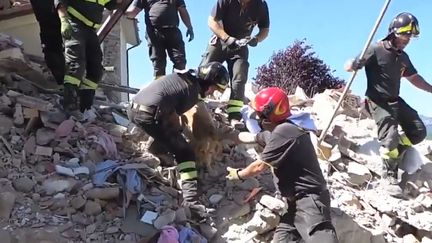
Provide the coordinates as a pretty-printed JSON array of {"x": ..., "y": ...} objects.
[{"x": 187, "y": 170}]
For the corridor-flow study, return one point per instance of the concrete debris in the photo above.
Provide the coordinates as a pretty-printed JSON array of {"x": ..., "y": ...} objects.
[
  {"x": 45, "y": 151},
  {"x": 24, "y": 184},
  {"x": 167, "y": 217},
  {"x": 7, "y": 201},
  {"x": 215, "y": 199},
  {"x": 274, "y": 204},
  {"x": 103, "y": 193},
  {"x": 358, "y": 174},
  {"x": 92, "y": 208},
  {"x": 48, "y": 164},
  {"x": 6, "y": 124}
]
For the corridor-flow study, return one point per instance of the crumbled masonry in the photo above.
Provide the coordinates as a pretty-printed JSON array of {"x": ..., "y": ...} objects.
[{"x": 67, "y": 181}]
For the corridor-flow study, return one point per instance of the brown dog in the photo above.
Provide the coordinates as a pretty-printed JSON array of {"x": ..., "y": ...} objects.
[{"x": 199, "y": 127}]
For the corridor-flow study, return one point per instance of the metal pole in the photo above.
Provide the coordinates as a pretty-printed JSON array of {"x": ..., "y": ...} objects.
[
  {"x": 369, "y": 40},
  {"x": 112, "y": 20}
]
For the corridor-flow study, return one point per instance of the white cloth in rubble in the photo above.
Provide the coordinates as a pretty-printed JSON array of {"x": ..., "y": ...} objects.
[{"x": 300, "y": 118}]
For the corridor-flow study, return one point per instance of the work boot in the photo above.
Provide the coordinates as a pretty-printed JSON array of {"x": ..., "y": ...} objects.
[
  {"x": 199, "y": 212},
  {"x": 86, "y": 99},
  {"x": 70, "y": 101},
  {"x": 390, "y": 170},
  {"x": 389, "y": 178}
]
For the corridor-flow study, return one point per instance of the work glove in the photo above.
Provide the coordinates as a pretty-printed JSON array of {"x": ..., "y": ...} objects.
[
  {"x": 358, "y": 64},
  {"x": 253, "y": 42},
  {"x": 66, "y": 27},
  {"x": 232, "y": 43},
  {"x": 190, "y": 34},
  {"x": 233, "y": 174}
]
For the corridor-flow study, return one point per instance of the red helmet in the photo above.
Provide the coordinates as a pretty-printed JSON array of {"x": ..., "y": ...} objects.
[{"x": 272, "y": 104}]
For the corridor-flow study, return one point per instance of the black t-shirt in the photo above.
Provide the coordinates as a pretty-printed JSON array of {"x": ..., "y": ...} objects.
[
  {"x": 384, "y": 68},
  {"x": 160, "y": 13},
  {"x": 292, "y": 153},
  {"x": 171, "y": 93},
  {"x": 240, "y": 23}
]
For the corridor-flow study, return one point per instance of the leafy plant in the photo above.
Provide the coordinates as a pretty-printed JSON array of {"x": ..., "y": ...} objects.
[{"x": 297, "y": 66}]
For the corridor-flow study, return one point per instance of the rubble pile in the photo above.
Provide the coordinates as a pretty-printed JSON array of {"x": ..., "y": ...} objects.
[{"x": 68, "y": 181}]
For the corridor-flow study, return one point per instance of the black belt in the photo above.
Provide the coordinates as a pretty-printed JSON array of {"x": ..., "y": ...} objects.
[{"x": 138, "y": 107}]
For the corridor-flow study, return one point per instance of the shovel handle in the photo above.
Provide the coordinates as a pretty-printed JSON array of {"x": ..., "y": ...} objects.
[{"x": 342, "y": 97}]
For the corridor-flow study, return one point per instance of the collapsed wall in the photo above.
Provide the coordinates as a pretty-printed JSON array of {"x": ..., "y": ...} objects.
[{"x": 66, "y": 181}]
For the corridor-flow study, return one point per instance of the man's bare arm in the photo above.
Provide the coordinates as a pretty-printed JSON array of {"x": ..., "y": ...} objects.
[
  {"x": 253, "y": 169},
  {"x": 132, "y": 12},
  {"x": 418, "y": 81},
  {"x": 185, "y": 17},
  {"x": 217, "y": 28},
  {"x": 262, "y": 34}
]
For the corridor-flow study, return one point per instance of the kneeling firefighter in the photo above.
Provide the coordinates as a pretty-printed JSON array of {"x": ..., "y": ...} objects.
[{"x": 156, "y": 109}]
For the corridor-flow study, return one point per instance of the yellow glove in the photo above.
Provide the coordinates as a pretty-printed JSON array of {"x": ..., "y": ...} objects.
[
  {"x": 66, "y": 28},
  {"x": 233, "y": 174}
]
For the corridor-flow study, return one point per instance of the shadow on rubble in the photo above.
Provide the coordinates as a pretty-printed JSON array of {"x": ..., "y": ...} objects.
[
  {"x": 346, "y": 228},
  {"x": 413, "y": 182},
  {"x": 349, "y": 231}
]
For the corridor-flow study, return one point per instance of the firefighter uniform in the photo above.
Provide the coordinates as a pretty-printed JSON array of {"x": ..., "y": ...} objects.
[
  {"x": 162, "y": 33},
  {"x": 384, "y": 68},
  {"x": 291, "y": 156},
  {"x": 157, "y": 108},
  {"x": 83, "y": 54},
  {"x": 51, "y": 39},
  {"x": 238, "y": 22},
  {"x": 385, "y": 64}
]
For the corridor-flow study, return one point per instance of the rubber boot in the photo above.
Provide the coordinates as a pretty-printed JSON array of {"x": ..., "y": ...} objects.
[
  {"x": 199, "y": 212},
  {"x": 160, "y": 151},
  {"x": 70, "y": 101}
]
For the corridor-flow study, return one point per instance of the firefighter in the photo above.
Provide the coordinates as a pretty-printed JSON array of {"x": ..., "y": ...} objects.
[
  {"x": 156, "y": 109},
  {"x": 79, "y": 21},
  {"x": 385, "y": 63},
  {"x": 290, "y": 153},
  {"x": 51, "y": 39},
  {"x": 232, "y": 23},
  {"x": 162, "y": 32}
]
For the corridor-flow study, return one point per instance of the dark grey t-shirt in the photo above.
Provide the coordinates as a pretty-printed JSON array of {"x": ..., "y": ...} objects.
[
  {"x": 292, "y": 153},
  {"x": 171, "y": 93},
  {"x": 160, "y": 13},
  {"x": 240, "y": 23},
  {"x": 384, "y": 68}
]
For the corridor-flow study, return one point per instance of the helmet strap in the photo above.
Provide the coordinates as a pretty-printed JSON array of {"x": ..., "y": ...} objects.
[{"x": 268, "y": 109}]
